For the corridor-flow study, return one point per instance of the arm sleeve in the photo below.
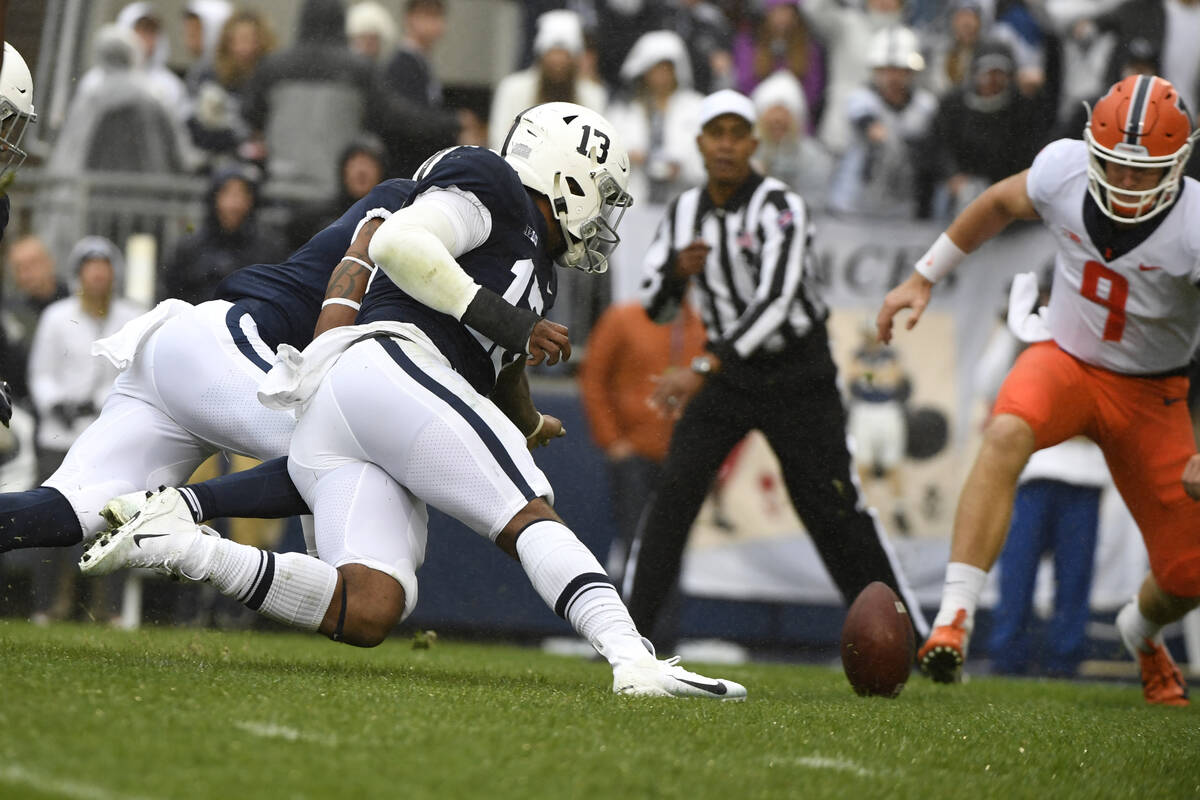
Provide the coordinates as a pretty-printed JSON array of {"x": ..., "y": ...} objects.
[
  {"x": 417, "y": 246},
  {"x": 661, "y": 292},
  {"x": 784, "y": 222}
]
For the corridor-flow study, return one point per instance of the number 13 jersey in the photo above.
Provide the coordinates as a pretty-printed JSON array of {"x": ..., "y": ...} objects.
[{"x": 1124, "y": 298}]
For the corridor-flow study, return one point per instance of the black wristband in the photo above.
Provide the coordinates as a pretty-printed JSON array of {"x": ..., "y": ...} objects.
[{"x": 502, "y": 322}]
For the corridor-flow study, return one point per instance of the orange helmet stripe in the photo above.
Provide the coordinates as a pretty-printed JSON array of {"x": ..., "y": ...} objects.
[{"x": 1135, "y": 120}]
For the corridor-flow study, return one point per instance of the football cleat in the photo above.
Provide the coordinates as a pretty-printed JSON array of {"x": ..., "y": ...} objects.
[
  {"x": 1162, "y": 682},
  {"x": 943, "y": 654},
  {"x": 158, "y": 537},
  {"x": 665, "y": 678},
  {"x": 125, "y": 507}
]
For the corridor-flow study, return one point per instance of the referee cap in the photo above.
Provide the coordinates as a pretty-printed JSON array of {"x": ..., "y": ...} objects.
[{"x": 727, "y": 101}]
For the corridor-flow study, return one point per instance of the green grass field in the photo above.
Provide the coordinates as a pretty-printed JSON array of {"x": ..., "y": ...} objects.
[{"x": 101, "y": 714}]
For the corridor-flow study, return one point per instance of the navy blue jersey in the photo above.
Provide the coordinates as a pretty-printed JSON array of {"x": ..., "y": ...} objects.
[
  {"x": 512, "y": 262},
  {"x": 285, "y": 299}
]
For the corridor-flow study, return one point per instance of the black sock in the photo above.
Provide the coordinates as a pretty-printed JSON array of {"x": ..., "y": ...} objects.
[
  {"x": 264, "y": 492},
  {"x": 41, "y": 517}
]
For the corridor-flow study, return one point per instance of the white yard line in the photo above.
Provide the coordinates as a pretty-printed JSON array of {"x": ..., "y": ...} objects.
[
  {"x": 269, "y": 730},
  {"x": 16, "y": 775},
  {"x": 836, "y": 764}
]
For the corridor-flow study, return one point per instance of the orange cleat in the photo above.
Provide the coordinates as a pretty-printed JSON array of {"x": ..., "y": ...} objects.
[
  {"x": 942, "y": 655},
  {"x": 1162, "y": 682}
]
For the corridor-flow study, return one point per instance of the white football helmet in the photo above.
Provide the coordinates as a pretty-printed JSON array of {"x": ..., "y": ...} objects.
[
  {"x": 16, "y": 109},
  {"x": 573, "y": 156}
]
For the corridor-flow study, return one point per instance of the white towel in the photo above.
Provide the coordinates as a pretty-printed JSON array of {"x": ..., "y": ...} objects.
[
  {"x": 1027, "y": 323},
  {"x": 297, "y": 374},
  {"x": 124, "y": 345}
]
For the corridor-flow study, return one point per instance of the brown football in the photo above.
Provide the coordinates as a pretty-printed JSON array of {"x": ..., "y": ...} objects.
[{"x": 877, "y": 642}]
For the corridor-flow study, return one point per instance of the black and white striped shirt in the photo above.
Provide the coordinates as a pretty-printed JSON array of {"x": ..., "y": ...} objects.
[{"x": 756, "y": 292}]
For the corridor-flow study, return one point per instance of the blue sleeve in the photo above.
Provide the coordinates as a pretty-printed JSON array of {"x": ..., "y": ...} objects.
[{"x": 480, "y": 171}]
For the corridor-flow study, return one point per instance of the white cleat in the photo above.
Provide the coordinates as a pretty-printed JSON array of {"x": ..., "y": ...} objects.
[
  {"x": 158, "y": 537},
  {"x": 124, "y": 507},
  {"x": 665, "y": 678}
]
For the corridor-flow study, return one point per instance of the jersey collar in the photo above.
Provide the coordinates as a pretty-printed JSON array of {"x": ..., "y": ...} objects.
[{"x": 1114, "y": 241}]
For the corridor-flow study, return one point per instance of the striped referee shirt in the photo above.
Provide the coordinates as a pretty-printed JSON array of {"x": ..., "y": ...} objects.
[{"x": 756, "y": 292}]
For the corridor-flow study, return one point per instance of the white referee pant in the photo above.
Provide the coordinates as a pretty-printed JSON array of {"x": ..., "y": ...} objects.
[
  {"x": 191, "y": 390},
  {"x": 393, "y": 428}
]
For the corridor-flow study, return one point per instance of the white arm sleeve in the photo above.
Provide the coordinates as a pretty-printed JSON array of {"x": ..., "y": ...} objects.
[{"x": 417, "y": 246}]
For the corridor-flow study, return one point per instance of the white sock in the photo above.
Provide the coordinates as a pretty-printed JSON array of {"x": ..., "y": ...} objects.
[
  {"x": 571, "y": 581},
  {"x": 961, "y": 591},
  {"x": 291, "y": 588},
  {"x": 1135, "y": 629}
]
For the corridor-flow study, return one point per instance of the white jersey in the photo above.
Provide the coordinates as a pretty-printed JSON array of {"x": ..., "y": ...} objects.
[{"x": 1123, "y": 299}]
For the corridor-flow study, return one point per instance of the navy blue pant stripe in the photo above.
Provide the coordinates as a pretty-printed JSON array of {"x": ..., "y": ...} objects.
[
  {"x": 578, "y": 585},
  {"x": 232, "y": 320},
  {"x": 264, "y": 584},
  {"x": 485, "y": 433}
]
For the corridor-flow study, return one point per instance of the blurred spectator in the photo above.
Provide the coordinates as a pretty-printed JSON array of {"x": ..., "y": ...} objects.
[
  {"x": 1172, "y": 27},
  {"x": 884, "y": 169},
  {"x": 706, "y": 31},
  {"x": 306, "y": 103},
  {"x": 785, "y": 149},
  {"x": 626, "y": 352},
  {"x": 555, "y": 75},
  {"x": 68, "y": 386},
  {"x": 781, "y": 41},
  {"x": 1016, "y": 25},
  {"x": 116, "y": 121},
  {"x": 846, "y": 32},
  {"x": 371, "y": 31},
  {"x": 31, "y": 267},
  {"x": 658, "y": 118},
  {"x": 1084, "y": 51},
  {"x": 951, "y": 55},
  {"x": 362, "y": 165},
  {"x": 618, "y": 25},
  {"x": 230, "y": 237},
  {"x": 216, "y": 123},
  {"x": 988, "y": 130},
  {"x": 144, "y": 22},
  {"x": 410, "y": 81},
  {"x": 202, "y": 24},
  {"x": 410, "y": 71}
]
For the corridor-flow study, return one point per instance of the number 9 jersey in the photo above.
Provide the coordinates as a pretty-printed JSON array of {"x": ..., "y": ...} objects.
[{"x": 1125, "y": 297}]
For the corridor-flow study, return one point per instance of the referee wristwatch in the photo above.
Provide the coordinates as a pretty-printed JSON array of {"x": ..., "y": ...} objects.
[{"x": 703, "y": 365}]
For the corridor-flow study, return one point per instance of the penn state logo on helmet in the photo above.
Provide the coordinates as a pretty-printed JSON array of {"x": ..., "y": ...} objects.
[
  {"x": 16, "y": 109},
  {"x": 1141, "y": 123},
  {"x": 574, "y": 157}
]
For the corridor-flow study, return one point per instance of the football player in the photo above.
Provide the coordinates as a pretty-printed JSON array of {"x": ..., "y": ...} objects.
[
  {"x": 425, "y": 401},
  {"x": 1125, "y": 319},
  {"x": 16, "y": 113}
]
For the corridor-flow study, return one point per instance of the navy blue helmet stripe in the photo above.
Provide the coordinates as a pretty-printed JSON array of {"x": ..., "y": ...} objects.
[
  {"x": 481, "y": 428},
  {"x": 1137, "y": 109},
  {"x": 233, "y": 322}
]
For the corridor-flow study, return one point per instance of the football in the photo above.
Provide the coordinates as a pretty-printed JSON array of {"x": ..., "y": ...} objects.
[{"x": 877, "y": 642}]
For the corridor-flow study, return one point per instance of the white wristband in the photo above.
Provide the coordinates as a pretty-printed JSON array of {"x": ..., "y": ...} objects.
[
  {"x": 374, "y": 213},
  {"x": 537, "y": 430},
  {"x": 341, "y": 301},
  {"x": 940, "y": 260},
  {"x": 360, "y": 262}
]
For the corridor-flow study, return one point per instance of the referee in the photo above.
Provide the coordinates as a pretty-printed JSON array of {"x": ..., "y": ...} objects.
[{"x": 745, "y": 243}]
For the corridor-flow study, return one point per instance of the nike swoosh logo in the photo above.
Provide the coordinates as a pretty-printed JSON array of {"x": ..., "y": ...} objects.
[
  {"x": 22, "y": 91},
  {"x": 1167, "y": 401},
  {"x": 1144, "y": 268},
  {"x": 138, "y": 537},
  {"x": 715, "y": 688}
]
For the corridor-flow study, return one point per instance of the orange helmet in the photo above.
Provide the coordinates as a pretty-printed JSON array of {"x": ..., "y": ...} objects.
[{"x": 1141, "y": 123}]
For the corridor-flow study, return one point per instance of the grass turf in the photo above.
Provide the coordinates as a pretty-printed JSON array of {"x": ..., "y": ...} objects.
[{"x": 93, "y": 713}]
